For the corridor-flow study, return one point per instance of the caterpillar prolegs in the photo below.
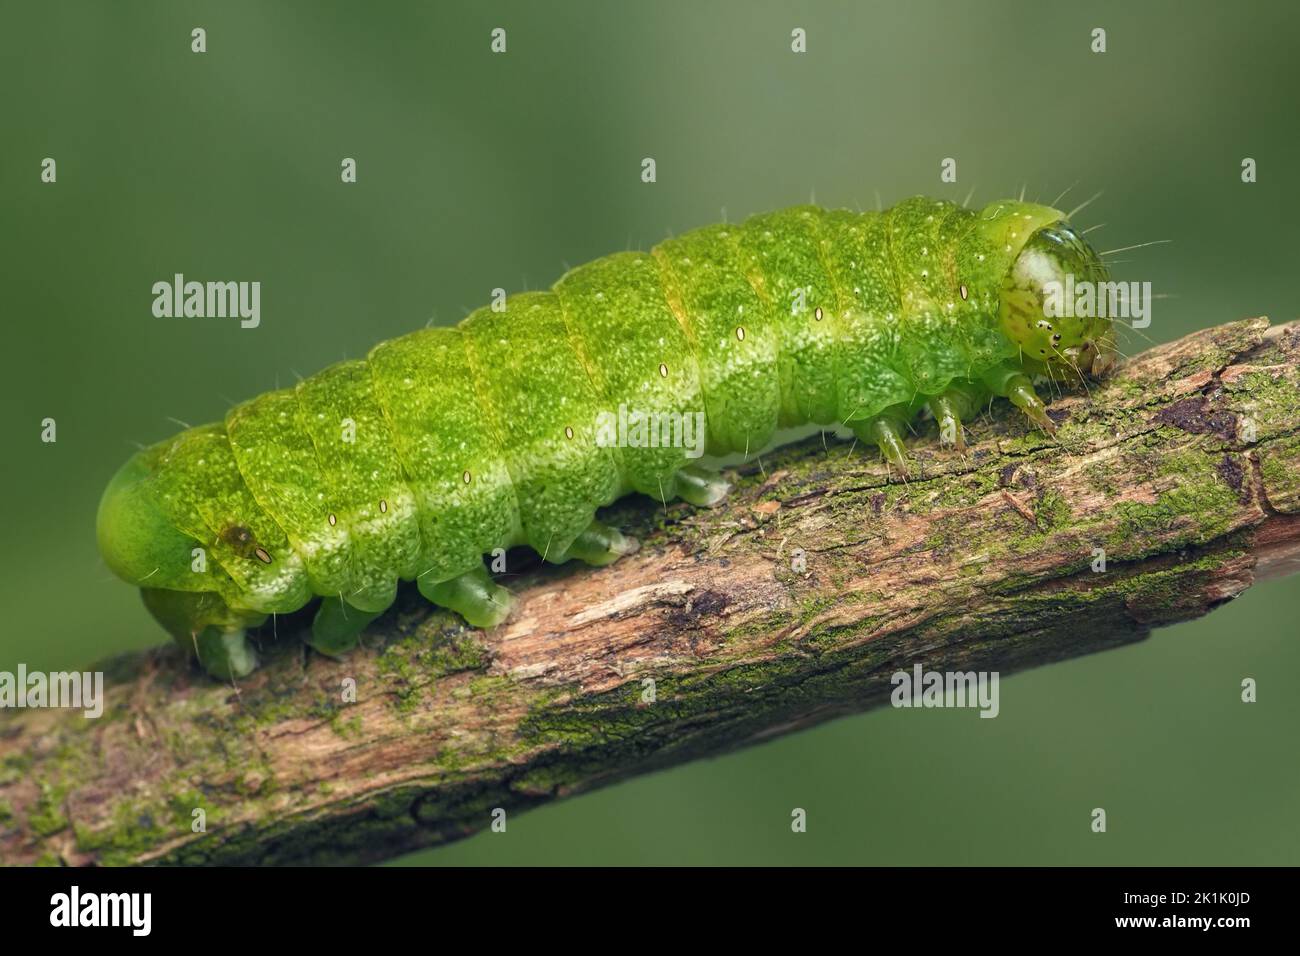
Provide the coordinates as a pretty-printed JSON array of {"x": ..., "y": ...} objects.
[{"x": 446, "y": 444}]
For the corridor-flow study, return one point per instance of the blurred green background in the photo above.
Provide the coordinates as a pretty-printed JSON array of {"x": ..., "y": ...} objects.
[{"x": 479, "y": 170}]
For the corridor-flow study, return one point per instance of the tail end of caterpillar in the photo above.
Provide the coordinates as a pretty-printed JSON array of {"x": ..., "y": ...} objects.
[
  {"x": 204, "y": 625},
  {"x": 140, "y": 545},
  {"x": 136, "y": 539}
]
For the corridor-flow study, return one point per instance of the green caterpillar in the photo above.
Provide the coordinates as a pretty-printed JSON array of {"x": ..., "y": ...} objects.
[{"x": 448, "y": 443}]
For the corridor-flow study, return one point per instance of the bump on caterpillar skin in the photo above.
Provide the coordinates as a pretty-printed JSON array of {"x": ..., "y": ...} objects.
[{"x": 240, "y": 540}]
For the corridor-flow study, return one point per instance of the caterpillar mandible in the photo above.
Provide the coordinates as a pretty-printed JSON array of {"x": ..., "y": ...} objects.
[{"x": 445, "y": 444}]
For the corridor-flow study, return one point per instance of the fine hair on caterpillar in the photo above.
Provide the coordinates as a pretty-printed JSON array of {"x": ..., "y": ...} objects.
[{"x": 513, "y": 427}]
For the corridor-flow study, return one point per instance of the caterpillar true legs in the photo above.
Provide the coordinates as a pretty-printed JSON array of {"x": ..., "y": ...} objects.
[
  {"x": 515, "y": 427},
  {"x": 956, "y": 404}
]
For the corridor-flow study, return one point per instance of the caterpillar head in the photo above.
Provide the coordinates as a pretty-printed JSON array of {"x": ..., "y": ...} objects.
[{"x": 1038, "y": 310}]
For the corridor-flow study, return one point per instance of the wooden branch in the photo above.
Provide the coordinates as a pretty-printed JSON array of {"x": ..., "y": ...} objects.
[{"x": 792, "y": 603}]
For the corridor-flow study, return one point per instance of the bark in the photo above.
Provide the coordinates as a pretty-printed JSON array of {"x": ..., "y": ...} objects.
[{"x": 793, "y": 602}]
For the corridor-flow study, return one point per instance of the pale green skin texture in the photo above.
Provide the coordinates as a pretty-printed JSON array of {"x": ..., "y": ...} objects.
[{"x": 483, "y": 436}]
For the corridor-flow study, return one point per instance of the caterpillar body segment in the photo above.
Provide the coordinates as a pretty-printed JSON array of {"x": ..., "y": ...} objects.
[
  {"x": 637, "y": 354},
  {"x": 734, "y": 333},
  {"x": 448, "y": 443},
  {"x": 453, "y": 463},
  {"x": 546, "y": 436},
  {"x": 783, "y": 254}
]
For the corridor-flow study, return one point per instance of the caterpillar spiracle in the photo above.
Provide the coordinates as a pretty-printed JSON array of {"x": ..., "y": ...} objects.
[{"x": 485, "y": 435}]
